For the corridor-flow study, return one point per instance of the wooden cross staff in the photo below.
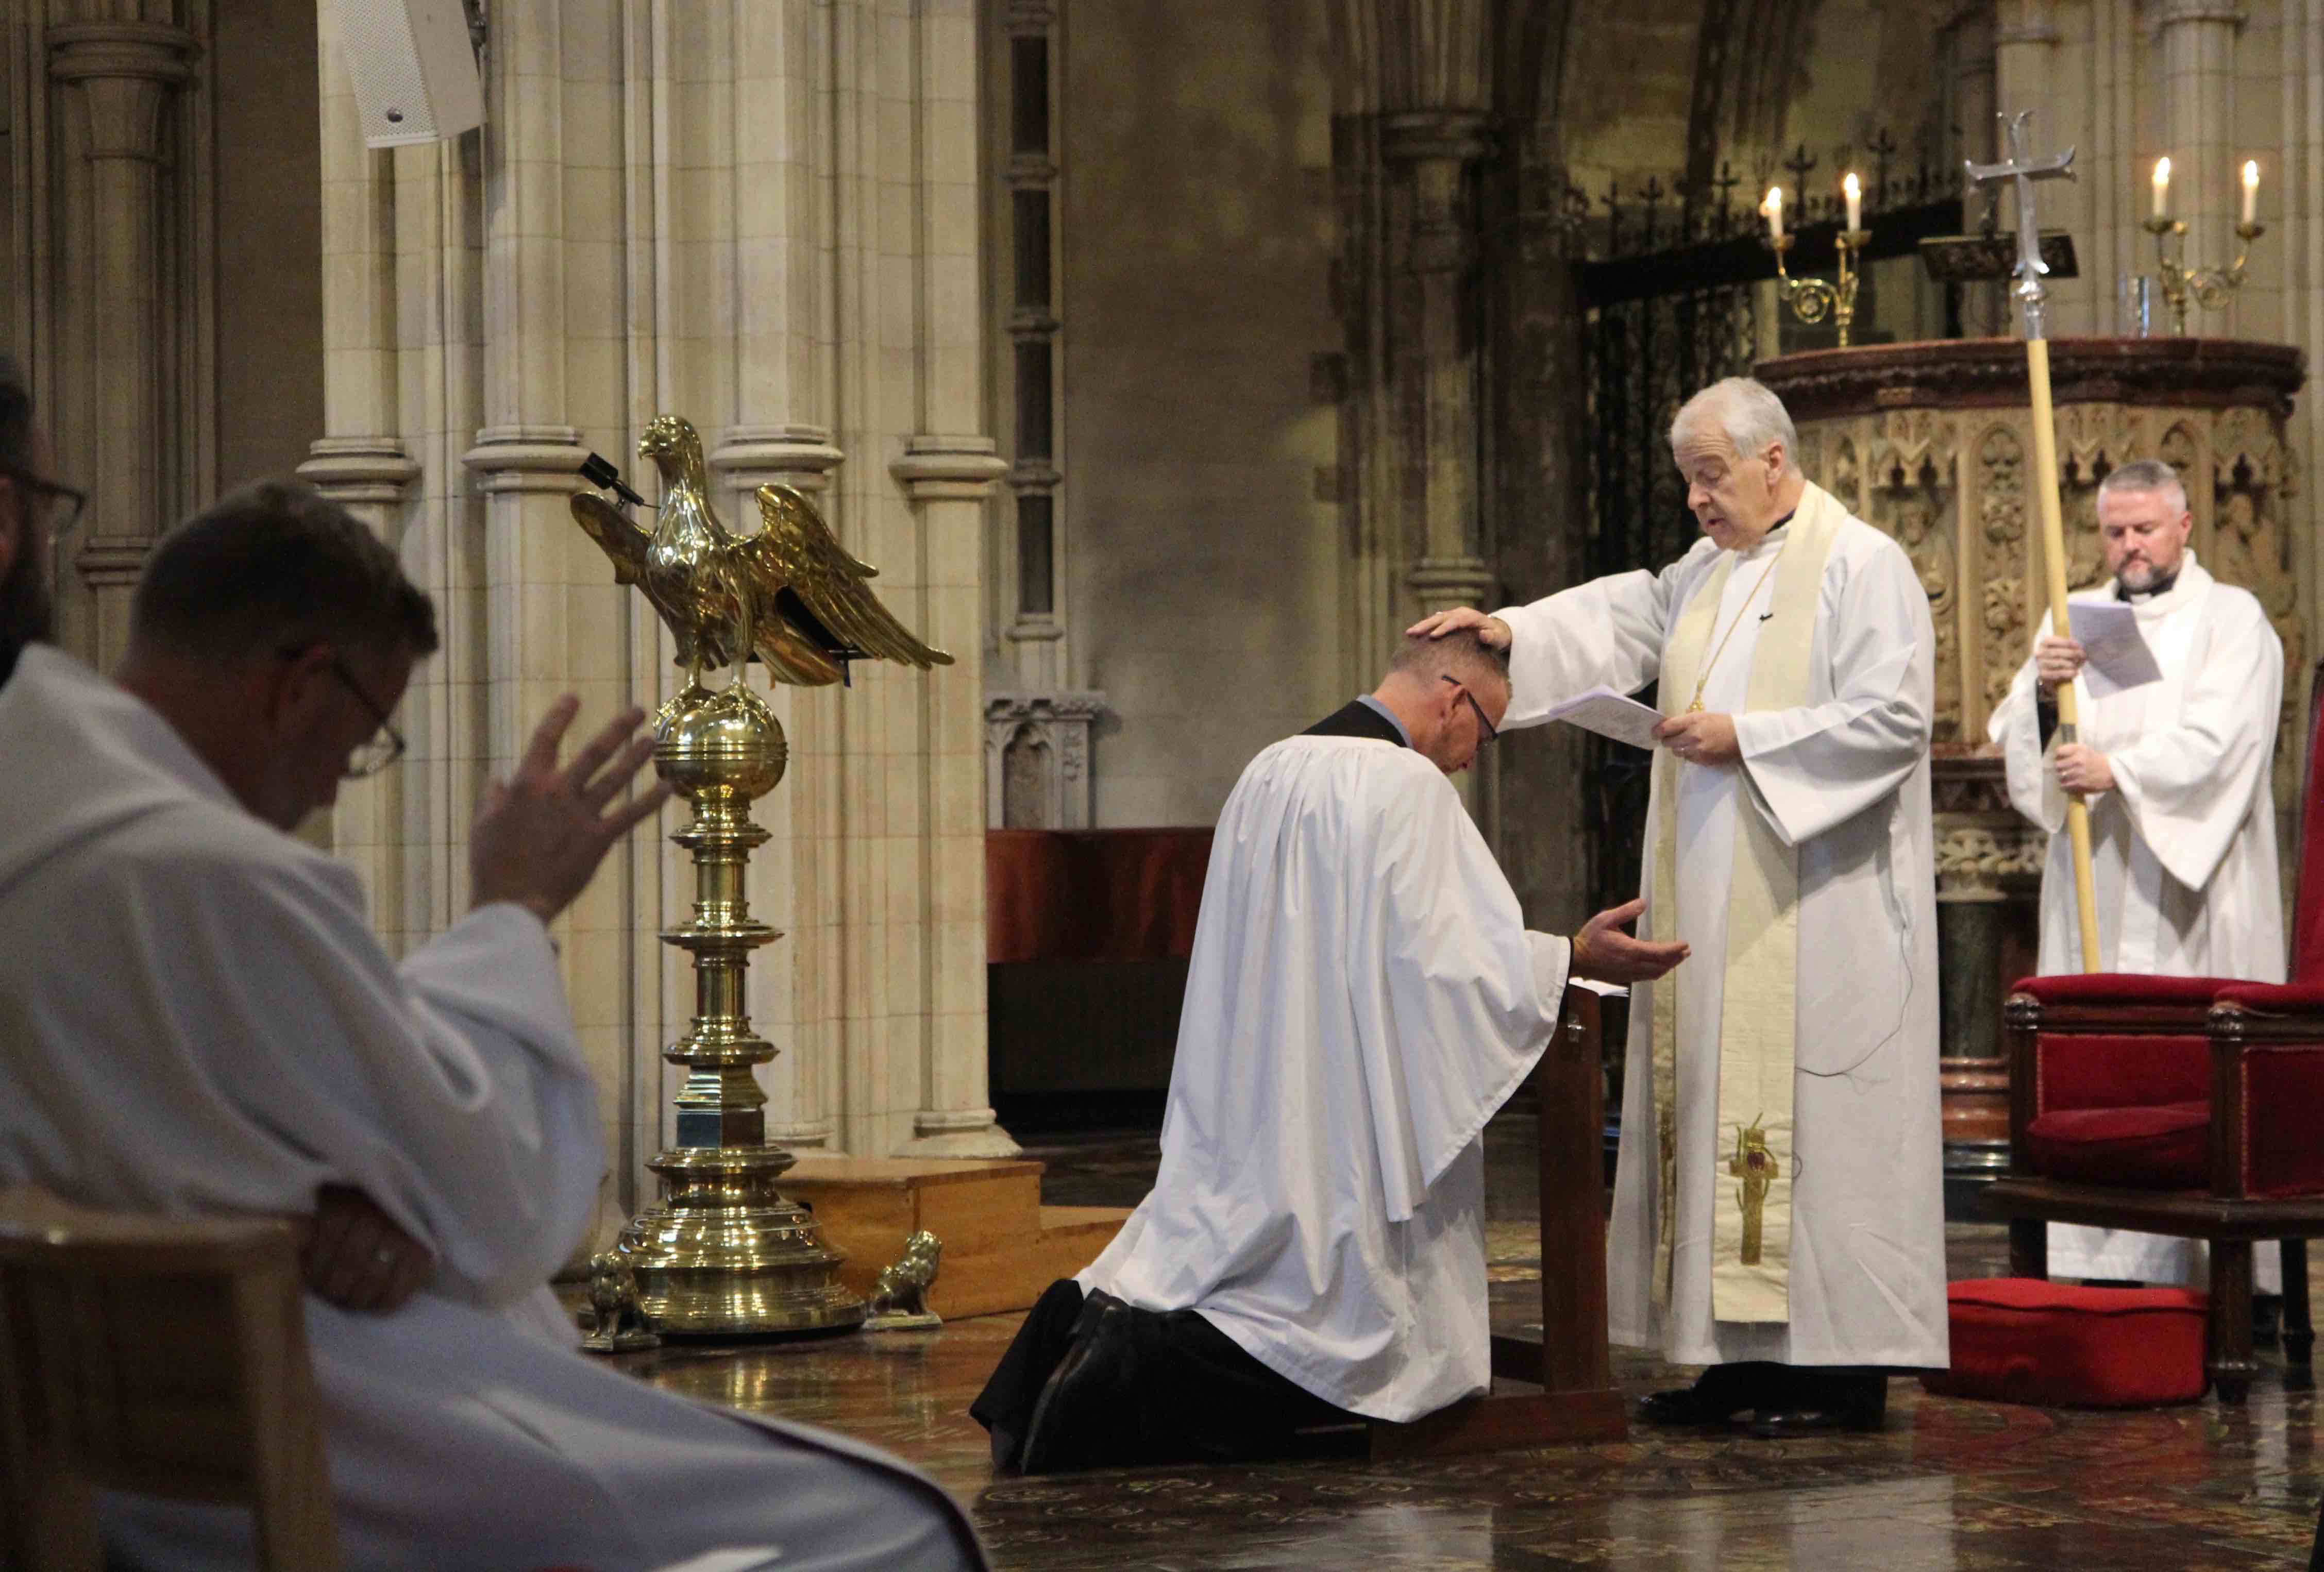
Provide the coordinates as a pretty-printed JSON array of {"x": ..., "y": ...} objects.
[{"x": 2031, "y": 293}]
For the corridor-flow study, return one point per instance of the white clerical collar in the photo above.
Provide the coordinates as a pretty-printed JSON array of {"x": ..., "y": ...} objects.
[{"x": 2180, "y": 591}]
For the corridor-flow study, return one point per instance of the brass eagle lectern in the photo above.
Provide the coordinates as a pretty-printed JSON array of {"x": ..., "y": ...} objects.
[{"x": 724, "y": 1254}]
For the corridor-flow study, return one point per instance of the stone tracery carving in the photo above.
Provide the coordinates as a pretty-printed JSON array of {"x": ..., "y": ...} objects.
[{"x": 2001, "y": 518}]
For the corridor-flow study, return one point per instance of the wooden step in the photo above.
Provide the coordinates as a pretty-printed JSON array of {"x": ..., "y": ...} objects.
[{"x": 1001, "y": 1246}]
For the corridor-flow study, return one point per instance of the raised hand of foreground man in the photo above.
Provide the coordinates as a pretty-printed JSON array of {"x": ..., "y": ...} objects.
[
  {"x": 539, "y": 834},
  {"x": 1602, "y": 953}
]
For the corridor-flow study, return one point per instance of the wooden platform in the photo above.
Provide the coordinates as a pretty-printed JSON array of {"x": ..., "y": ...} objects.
[{"x": 1001, "y": 1246}]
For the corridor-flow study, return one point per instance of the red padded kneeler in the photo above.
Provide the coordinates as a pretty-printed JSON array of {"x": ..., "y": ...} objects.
[{"x": 2022, "y": 1339}]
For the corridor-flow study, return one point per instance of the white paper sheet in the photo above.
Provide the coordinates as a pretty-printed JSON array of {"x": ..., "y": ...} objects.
[
  {"x": 1609, "y": 715},
  {"x": 2119, "y": 659}
]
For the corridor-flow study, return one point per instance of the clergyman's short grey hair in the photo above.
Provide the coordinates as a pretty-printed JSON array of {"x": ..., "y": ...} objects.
[
  {"x": 2146, "y": 474},
  {"x": 277, "y": 566},
  {"x": 1748, "y": 412}
]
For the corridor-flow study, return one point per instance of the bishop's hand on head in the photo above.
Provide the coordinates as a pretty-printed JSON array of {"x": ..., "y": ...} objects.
[
  {"x": 1492, "y": 631},
  {"x": 1602, "y": 953}
]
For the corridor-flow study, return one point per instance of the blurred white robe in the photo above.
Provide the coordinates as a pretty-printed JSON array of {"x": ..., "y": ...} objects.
[
  {"x": 1845, "y": 780},
  {"x": 200, "y": 1022},
  {"x": 1363, "y": 994},
  {"x": 2182, "y": 851}
]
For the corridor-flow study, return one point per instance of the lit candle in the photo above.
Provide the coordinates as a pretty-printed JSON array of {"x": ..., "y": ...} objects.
[
  {"x": 1774, "y": 209},
  {"x": 2161, "y": 187},
  {"x": 2251, "y": 190},
  {"x": 1856, "y": 200}
]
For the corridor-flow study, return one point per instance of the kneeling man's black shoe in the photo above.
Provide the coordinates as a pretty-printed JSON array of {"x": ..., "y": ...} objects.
[
  {"x": 1083, "y": 1398},
  {"x": 1678, "y": 1406}
]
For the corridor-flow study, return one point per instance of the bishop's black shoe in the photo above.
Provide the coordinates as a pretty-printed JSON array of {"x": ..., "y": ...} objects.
[{"x": 1820, "y": 1402}]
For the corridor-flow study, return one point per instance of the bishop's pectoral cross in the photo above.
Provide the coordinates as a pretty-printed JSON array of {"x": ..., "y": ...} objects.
[{"x": 1755, "y": 1166}]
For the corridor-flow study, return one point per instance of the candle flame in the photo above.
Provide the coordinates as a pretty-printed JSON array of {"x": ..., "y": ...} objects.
[
  {"x": 2251, "y": 172},
  {"x": 1851, "y": 185},
  {"x": 2162, "y": 172},
  {"x": 1774, "y": 198}
]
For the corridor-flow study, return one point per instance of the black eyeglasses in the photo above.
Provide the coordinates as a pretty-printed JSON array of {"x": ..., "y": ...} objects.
[
  {"x": 65, "y": 502},
  {"x": 1489, "y": 731},
  {"x": 384, "y": 747}
]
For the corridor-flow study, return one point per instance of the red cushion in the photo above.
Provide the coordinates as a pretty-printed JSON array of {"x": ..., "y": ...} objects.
[
  {"x": 2165, "y": 1146},
  {"x": 2020, "y": 1339},
  {"x": 2101, "y": 987},
  {"x": 2284, "y": 998}
]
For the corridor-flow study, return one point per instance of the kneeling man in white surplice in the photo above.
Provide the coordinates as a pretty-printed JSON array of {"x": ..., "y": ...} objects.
[
  {"x": 1364, "y": 995},
  {"x": 200, "y": 1022},
  {"x": 2178, "y": 774},
  {"x": 1778, "y": 1207}
]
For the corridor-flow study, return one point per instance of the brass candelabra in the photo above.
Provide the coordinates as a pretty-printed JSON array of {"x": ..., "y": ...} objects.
[
  {"x": 1813, "y": 299},
  {"x": 2210, "y": 288}
]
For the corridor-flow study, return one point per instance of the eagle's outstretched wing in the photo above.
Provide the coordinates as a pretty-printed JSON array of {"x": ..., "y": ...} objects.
[
  {"x": 794, "y": 550},
  {"x": 616, "y": 536}
]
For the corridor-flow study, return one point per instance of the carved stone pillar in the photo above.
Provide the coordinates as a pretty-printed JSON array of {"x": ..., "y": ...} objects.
[
  {"x": 1984, "y": 307},
  {"x": 1437, "y": 148},
  {"x": 122, "y": 77},
  {"x": 948, "y": 480},
  {"x": 2199, "y": 116}
]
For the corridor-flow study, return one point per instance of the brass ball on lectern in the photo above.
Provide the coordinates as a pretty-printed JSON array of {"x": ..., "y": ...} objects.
[{"x": 724, "y": 744}]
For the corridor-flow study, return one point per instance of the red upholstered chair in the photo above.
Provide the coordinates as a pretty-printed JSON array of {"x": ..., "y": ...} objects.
[{"x": 2191, "y": 1107}]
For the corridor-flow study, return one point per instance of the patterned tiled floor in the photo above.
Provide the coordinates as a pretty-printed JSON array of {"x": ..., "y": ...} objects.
[{"x": 1948, "y": 1484}]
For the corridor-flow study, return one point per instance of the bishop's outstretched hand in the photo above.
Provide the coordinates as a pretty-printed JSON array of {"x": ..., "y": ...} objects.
[{"x": 1602, "y": 953}]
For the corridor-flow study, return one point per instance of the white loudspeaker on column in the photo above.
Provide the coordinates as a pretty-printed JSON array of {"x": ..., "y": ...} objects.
[{"x": 414, "y": 69}]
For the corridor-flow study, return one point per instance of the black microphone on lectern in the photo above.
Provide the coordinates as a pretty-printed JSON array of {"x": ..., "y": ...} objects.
[{"x": 599, "y": 472}]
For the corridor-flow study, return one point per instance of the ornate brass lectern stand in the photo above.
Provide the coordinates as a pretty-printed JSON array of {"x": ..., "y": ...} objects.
[{"x": 724, "y": 1254}]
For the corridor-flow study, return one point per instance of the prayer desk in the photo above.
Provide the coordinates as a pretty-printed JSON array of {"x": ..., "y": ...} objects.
[{"x": 1577, "y": 1400}]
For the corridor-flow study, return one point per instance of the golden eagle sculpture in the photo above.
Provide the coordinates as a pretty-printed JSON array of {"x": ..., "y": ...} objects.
[{"x": 789, "y": 594}]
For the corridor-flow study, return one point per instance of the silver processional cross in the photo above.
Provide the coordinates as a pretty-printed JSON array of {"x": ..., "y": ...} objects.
[{"x": 2030, "y": 290}]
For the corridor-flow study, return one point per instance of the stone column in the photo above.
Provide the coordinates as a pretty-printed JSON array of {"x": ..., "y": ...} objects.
[
  {"x": 1983, "y": 307},
  {"x": 1437, "y": 147},
  {"x": 948, "y": 480},
  {"x": 2199, "y": 129},
  {"x": 122, "y": 77},
  {"x": 362, "y": 464}
]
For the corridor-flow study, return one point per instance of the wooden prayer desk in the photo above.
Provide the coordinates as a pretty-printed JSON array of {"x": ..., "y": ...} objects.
[{"x": 1577, "y": 1401}]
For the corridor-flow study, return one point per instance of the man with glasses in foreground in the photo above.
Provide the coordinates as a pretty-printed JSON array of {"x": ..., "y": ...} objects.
[
  {"x": 1364, "y": 995},
  {"x": 199, "y": 1021}
]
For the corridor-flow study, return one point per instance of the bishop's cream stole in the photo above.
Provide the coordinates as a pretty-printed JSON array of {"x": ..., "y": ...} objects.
[{"x": 1751, "y": 1215}]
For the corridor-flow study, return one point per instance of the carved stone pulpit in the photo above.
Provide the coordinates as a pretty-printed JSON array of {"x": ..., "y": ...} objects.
[{"x": 1933, "y": 444}]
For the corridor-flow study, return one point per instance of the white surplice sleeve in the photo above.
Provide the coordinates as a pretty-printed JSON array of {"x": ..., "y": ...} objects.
[
  {"x": 1820, "y": 765},
  {"x": 451, "y": 1090},
  {"x": 2016, "y": 725},
  {"x": 1468, "y": 997},
  {"x": 1607, "y": 632},
  {"x": 2189, "y": 786}
]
